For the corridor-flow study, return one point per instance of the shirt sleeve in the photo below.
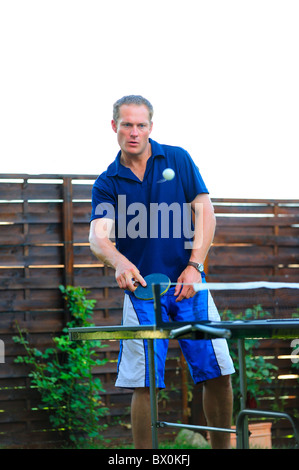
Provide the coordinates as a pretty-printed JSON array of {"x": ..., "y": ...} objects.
[
  {"x": 192, "y": 180},
  {"x": 102, "y": 201}
]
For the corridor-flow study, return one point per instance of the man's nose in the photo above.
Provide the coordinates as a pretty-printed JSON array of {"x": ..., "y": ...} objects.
[{"x": 134, "y": 131}]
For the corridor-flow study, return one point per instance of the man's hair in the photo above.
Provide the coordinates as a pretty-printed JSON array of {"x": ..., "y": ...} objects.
[{"x": 132, "y": 99}]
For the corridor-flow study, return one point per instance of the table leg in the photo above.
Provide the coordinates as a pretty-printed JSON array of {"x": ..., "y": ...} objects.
[
  {"x": 243, "y": 440},
  {"x": 153, "y": 396}
]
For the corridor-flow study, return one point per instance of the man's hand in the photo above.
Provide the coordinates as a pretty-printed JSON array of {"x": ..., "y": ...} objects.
[
  {"x": 128, "y": 276},
  {"x": 184, "y": 288}
]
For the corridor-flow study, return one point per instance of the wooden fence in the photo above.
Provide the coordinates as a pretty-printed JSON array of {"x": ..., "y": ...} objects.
[{"x": 44, "y": 223}]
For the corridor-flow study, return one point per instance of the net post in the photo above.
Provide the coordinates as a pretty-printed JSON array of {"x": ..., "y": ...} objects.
[{"x": 157, "y": 305}]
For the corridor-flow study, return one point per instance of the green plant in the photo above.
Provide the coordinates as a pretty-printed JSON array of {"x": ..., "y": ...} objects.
[
  {"x": 63, "y": 375},
  {"x": 258, "y": 370}
]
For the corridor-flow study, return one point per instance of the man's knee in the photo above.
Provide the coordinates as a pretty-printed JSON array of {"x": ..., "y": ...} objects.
[{"x": 222, "y": 383}]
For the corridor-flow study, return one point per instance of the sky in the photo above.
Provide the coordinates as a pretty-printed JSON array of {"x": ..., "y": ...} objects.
[{"x": 222, "y": 76}]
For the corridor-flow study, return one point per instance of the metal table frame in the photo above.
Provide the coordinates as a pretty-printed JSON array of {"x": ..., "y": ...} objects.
[{"x": 240, "y": 330}]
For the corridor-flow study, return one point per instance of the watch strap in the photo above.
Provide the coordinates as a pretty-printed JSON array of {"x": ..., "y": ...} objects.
[{"x": 198, "y": 266}]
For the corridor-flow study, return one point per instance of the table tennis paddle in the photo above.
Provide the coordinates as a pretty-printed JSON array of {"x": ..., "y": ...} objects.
[{"x": 146, "y": 293}]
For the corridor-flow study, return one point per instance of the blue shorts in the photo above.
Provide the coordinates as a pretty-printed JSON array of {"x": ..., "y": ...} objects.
[{"x": 207, "y": 359}]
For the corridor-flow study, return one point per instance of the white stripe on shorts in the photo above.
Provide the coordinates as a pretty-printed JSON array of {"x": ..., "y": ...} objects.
[
  {"x": 131, "y": 368},
  {"x": 220, "y": 345}
]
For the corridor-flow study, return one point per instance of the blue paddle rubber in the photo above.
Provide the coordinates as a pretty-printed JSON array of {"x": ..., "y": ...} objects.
[{"x": 146, "y": 293}]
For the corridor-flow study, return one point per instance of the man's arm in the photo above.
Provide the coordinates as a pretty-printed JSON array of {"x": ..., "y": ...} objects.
[
  {"x": 205, "y": 223},
  {"x": 126, "y": 273}
]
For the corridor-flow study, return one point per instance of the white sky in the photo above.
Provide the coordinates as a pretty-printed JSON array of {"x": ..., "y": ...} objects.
[{"x": 222, "y": 76}]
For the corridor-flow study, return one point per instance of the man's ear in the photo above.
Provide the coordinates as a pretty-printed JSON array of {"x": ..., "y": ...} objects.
[{"x": 114, "y": 125}]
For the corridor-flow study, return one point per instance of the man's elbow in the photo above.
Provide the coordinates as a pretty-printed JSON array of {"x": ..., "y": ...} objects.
[
  {"x": 91, "y": 240},
  {"x": 98, "y": 241},
  {"x": 94, "y": 241},
  {"x": 212, "y": 215},
  {"x": 212, "y": 218}
]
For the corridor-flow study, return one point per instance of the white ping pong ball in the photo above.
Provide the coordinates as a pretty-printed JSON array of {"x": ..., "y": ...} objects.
[{"x": 168, "y": 174}]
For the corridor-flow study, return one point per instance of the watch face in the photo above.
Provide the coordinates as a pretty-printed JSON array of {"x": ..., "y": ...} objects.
[{"x": 200, "y": 268}]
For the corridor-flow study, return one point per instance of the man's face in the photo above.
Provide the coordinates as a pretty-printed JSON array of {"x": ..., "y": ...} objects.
[{"x": 133, "y": 129}]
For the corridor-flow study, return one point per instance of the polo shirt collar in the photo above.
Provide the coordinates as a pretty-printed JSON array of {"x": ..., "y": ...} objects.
[{"x": 116, "y": 168}]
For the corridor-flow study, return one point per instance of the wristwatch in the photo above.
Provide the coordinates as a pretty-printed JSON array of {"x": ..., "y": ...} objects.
[{"x": 198, "y": 266}]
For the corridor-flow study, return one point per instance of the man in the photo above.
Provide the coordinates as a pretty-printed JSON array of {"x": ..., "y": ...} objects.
[{"x": 149, "y": 218}]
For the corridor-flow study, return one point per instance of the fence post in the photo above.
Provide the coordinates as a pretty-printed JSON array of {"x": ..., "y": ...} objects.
[{"x": 68, "y": 231}]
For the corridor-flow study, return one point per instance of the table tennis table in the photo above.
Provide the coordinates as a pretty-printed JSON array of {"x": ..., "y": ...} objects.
[{"x": 238, "y": 330}]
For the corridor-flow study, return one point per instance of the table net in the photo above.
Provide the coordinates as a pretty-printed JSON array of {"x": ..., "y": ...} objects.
[{"x": 247, "y": 301}]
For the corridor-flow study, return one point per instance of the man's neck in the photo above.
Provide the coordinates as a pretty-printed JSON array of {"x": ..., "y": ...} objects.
[{"x": 136, "y": 163}]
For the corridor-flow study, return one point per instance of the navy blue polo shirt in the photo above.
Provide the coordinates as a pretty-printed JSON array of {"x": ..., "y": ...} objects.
[{"x": 153, "y": 223}]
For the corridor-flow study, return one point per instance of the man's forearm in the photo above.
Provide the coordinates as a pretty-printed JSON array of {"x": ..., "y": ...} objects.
[
  {"x": 105, "y": 251},
  {"x": 205, "y": 223},
  {"x": 126, "y": 273}
]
